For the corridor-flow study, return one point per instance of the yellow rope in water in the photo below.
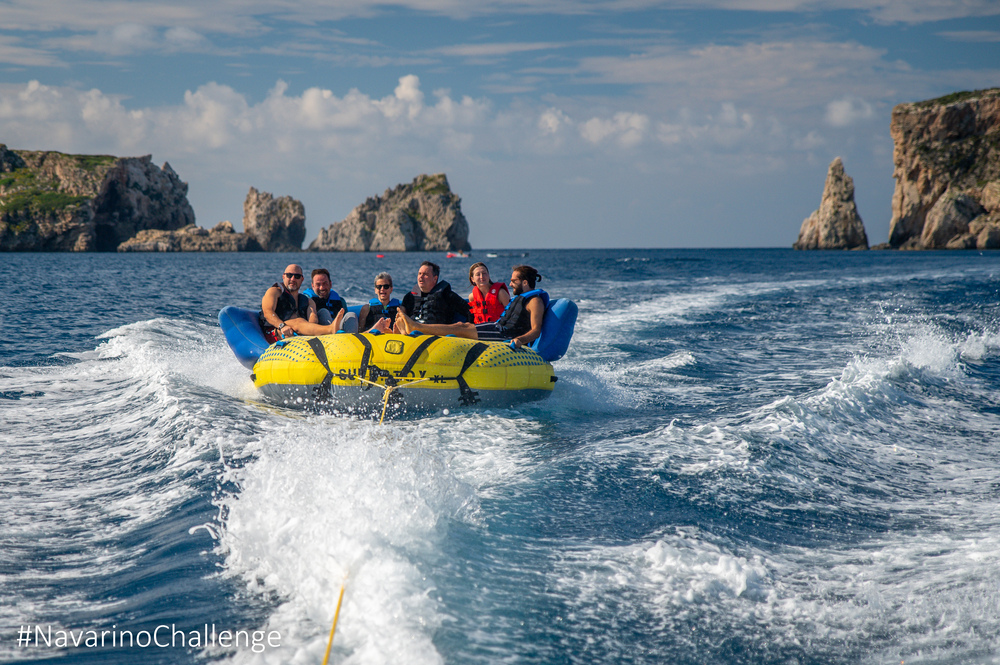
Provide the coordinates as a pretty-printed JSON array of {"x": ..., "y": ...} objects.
[
  {"x": 389, "y": 389},
  {"x": 334, "y": 628}
]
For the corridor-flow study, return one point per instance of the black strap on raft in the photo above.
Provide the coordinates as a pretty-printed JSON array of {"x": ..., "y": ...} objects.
[
  {"x": 323, "y": 391},
  {"x": 373, "y": 372},
  {"x": 365, "y": 357},
  {"x": 412, "y": 360},
  {"x": 468, "y": 395}
]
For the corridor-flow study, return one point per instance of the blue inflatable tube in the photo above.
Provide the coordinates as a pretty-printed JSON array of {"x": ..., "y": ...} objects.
[
  {"x": 243, "y": 333},
  {"x": 557, "y": 330}
]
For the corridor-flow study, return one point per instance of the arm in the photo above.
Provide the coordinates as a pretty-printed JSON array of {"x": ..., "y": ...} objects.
[
  {"x": 460, "y": 307},
  {"x": 312, "y": 315},
  {"x": 503, "y": 296},
  {"x": 537, "y": 312},
  {"x": 363, "y": 314},
  {"x": 268, "y": 304}
]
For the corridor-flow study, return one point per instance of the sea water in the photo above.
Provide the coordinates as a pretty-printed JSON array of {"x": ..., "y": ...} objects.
[{"x": 751, "y": 456}]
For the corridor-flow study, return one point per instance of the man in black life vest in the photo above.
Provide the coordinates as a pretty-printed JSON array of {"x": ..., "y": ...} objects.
[
  {"x": 433, "y": 301},
  {"x": 284, "y": 311},
  {"x": 521, "y": 322}
]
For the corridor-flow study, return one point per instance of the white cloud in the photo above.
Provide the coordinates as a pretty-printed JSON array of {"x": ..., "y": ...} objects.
[
  {"x": 552, "y": 120},
  {"x": 984, "y": 36},
  {"x": 183, "y": 38},
  {"x": 253, "y": 16},
  {"x": 785, "y": 74},
  {"x": 496, "y": 49},
  {"x": 847, "y": 111},
  {"x": 628, "y": 129},
  {"x": 14, "y": 51}
]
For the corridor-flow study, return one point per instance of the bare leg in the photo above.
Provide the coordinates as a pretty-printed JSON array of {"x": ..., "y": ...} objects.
[
  {"x": 303, "y": 327},
  {"x": 408, "y": 325}
]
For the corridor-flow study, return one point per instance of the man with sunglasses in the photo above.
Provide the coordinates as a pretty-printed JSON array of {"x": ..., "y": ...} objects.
[{"x": 284, "y": 311}]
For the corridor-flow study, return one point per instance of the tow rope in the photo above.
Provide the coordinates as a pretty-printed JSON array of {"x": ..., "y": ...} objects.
[{"x": 333, "y": 629}]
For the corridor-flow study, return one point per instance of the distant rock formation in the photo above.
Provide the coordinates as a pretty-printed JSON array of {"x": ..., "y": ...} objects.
[
  {"x": 947, "y": 169},
  {"x": 221, "y": 238},
  {"x": 836, "y": 224},
  {"x": 423, "y": 215},
  {"x": 279, "y": 225},
  {"x": 50, "y": 201}
]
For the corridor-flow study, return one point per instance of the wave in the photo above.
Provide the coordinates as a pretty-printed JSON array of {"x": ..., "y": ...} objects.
[{"x": 105, "y": 456}]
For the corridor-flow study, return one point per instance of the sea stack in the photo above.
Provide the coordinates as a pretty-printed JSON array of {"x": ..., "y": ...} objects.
[
  {"x": 836, "y": 224},
  {"x": 424, "y": 215},
  {"x": 946, "y": 159},
  {"x": 277, "y": 224}
]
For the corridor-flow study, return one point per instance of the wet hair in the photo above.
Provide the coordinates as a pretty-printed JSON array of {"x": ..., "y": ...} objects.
[
  {"x": 528, "y": 274},
  {"x": 320, "y": 271},
  {"x": 383, "y": 275},
  {"x": 472, "y": 269},
  {"x": 433, "y": 266}
]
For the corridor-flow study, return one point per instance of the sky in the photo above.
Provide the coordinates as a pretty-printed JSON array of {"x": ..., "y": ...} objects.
[{"x": 560, "y": 123}]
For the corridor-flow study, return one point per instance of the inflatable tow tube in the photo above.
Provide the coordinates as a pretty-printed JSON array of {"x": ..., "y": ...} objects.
[{"x": 369, "y": 371}]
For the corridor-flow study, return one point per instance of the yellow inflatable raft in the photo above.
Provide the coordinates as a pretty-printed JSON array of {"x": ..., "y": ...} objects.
[{"x": 368, "y": 372}]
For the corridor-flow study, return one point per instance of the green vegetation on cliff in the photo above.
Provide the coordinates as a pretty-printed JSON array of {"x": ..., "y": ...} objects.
[
  {"x": 433, "y": 185},
  {"x": 24, "y": 191},
  {"x": 956, "y": 97}
]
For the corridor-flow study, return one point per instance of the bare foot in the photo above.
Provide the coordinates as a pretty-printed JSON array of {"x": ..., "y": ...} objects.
[
  {"x": 403, "y": 322},
  {"x": 382, "y": 325}
]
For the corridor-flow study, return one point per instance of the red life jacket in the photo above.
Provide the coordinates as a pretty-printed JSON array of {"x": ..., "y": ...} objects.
[{"x": 487, "y": 309}]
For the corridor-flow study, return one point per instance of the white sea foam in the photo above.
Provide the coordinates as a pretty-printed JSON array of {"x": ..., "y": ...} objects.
[
  {"x": 924, "y": 598},
  {"x": 675, "y": 307},
  {"x": 327, "y": 501}
]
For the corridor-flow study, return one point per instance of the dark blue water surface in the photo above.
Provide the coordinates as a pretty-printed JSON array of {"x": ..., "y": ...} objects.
[{"x": 751, "y": 456}]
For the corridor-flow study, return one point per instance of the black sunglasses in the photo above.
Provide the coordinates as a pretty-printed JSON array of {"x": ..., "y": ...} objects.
[
  {"x": 379, "y": 287},
  {"x": 293, "y": 275}
]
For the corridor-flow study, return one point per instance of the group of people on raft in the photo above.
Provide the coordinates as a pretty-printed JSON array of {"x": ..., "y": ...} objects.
[{"x": 491, "y": 313}]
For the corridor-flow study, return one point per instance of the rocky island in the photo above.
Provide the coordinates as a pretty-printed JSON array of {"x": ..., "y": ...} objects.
[
  {"x": 946, "y": 162},
  {"x": 270, "y": 225},
  {"x": 50, "y": 201},
  {"x": 947, "y": 168},
  {"x": 423, "y": 215}
]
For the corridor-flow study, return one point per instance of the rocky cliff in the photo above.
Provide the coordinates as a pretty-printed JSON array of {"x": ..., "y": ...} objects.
[
  {"x": 50, "y": 201},
  {"x": 278, "y": 224},
  {"x": 423, "y": 215},
  {"x": 221, "y": 238},
  {"x": 947, "y": 170},
  {"x": 836, "y": 224}
]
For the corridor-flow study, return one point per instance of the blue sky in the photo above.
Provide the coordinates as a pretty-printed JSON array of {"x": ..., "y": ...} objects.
[{"x": 604, "y": 123}]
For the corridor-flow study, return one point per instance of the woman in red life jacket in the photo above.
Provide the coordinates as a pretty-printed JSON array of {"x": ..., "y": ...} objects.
[{"x": 488, "y": 298}]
